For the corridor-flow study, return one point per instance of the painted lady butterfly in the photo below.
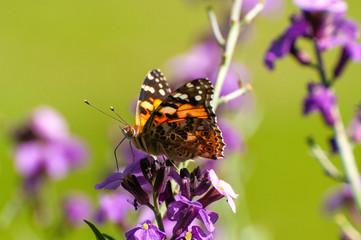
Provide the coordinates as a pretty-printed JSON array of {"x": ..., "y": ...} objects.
[{"x": 180, "y": 125}]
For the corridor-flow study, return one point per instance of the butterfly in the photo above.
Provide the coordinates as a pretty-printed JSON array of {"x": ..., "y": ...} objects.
[{"x": 180, "y": 125}]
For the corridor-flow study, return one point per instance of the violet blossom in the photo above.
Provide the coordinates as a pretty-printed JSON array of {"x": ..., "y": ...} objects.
[
  {"x": 324, "y": 22},
  {"x": 113, "y": 207},
  {"x": 185, "y": 211},
  {"x": 194, "y": 233},
  {"x": 320, "y": 99},
  {"x": 76, "y": 208},
  {"x": 219, "y": 190},
  {"x": 143, "y": 231},
  {"x": 45, "y": 147}
]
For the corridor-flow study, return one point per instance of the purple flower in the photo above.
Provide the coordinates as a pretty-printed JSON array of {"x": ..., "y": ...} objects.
[
  {"x": 195, "y": 233},
  {"x": 145, "y": 231},
  {"x": 113, "y": 207},
  {"x": 232, "y": 137},
  {"x": 193, "y": 184},
  {"x": 114, "y": 180},
  {"x": 339, "y": 198},
  {"x": 46, "y": 147},
  {"x": 354, "y": 127},
  {"x": 321, "y": 21},
  {"x": 219, "y": 190},
  {"x": 320, "y": 99},
  {"x": 185, "y": 211},
  {"x": 77, "y": 208},
  {"x": 271, "y": 7}
]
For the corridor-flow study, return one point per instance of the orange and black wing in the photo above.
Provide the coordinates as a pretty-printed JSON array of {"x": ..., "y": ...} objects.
[
  {"x": 185, "y": 124},
  {"x": 153, "y": 91}
]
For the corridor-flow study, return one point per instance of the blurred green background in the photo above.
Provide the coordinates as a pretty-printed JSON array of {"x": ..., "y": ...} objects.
[{"x": 61, "y": 52}]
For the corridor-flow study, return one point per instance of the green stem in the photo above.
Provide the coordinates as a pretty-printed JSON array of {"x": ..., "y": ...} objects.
[
  {"x": 324, "y": 161},
  {"x": 320, "y": 66},
  {"x": 239, "y": 92},
  {"x": 347, "y": 227},
  {"x": 347, "y": 158},
  {"x": 157, "y": 213},
  {"x": 231, "y": 42}
]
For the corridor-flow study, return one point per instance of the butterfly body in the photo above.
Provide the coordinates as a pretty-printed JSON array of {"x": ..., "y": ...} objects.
[{"x": 180, "y": 125}]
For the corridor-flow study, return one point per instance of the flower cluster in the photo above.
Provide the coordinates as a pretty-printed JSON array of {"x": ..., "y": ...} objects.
[
  {"x": 46, "y": 148},
  {"x": 185, "y": 195},
  {"x": 323, "y": 23}
]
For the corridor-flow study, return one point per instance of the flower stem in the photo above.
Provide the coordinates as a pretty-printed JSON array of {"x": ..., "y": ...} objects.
[
  {"x": 347, "y": 158},
  {"x": 239, "y": 92},
  {"x": 231, "y": 42},
  {"x": 347, "y": 227},
  {"x": 320, "y": 65},
  {"x": 322, "y": 158},
  {"x": 157, "y": 213},
  {"x": 215, "y": 27}
]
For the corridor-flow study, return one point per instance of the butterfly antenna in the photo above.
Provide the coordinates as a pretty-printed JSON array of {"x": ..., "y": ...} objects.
[
  {"x": 115, "y": 153},
  {"x": 86, "y": 101},
  {"x": 113, "y": 110}
]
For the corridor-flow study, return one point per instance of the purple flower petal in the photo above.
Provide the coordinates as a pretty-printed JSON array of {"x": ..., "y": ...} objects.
[
  {"x": 49, "y": 124},
  {"x": 223, "y": 188},
  {"x": 114, "y": 207},
  {"x": 284, "y": 44},
  {"x": 77, "y": 208},
  {"x": 335, "y": 6},
  {"x": 28, "y": 159},
  {"x": 320, "y": 99},
  {"x": 112, "y": 182},
  {"x": 144, "y": 231}
]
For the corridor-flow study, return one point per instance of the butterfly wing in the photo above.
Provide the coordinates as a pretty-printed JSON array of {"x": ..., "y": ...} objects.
[
  {"x": 184, "y": 125},
  {"x": 153, "y": 91}
]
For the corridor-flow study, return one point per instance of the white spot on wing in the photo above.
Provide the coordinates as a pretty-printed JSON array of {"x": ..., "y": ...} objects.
[
  {"x": 162, "y": 92},
  {"x": 177, "y": 95},
  {"x": 198, "y": 97},
  {"x": 190, "y": 85},
  {"x": 151, "y": 89},
  {"x": 183, "y": 96},
  {"x": 150, "y": 76},
  {"x": 160, "y": 85}
]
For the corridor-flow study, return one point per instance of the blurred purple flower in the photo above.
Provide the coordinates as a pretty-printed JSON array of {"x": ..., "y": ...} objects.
[
  {"x": 354, "y": 127},
  {"x": 232, "y": 137},
  {"x": 76, "y": 208},
  {"x": 143, "y": 231},
  {"x": 271, "y": 7},
  {"x": 320, "y": 99},
  {"x": 324, "y": 22},
  {"x": 113, "y": 207},
  {"x": 203, "y": 61},
  {"x": 195, "y": 233},
  {"x": 185, "y": 211},
  {"x": 339, "y": 198},
  {"x": 219, "y": 190},
  {"x": 45, "y": 146}
]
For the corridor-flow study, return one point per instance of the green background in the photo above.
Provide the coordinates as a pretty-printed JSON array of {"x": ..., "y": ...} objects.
[{"x": 61, "y": 52}]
